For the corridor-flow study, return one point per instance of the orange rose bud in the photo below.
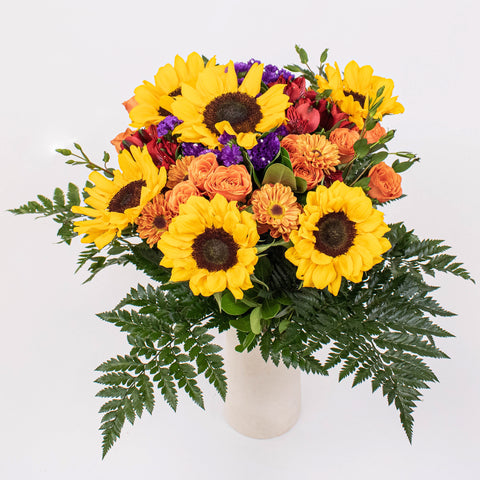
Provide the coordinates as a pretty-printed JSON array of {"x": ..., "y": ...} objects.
[
  {"x": 200, "y": 168},
  {"x": 375, "y": 134},
  {"x": 179, "y": 194},
  {"x": 130, "y": 103},
  {"x": 117, "y": 141},
  {"x": 344, "y": 138},
  {"x": 385, "y": 183},
  {"x": 233, "y": 182},
  {"x": 312, "y": 175}
]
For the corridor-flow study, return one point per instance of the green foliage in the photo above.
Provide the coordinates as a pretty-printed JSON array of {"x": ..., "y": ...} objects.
[
  {"x": 116, "y": 253},
  {"x": 306, "y": 71},
  {"x": 378, "y": 330},
  {"x": 82, "y": 159},
  {"x": 167, "y": 328},
  {"x": 58, "y": 207}
]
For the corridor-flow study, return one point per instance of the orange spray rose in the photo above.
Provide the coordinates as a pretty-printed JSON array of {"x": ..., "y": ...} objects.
[
  {"x": 344, "y": 139},
  {"x": 233, "y": 182},
  {"x": 130, "y": 103},
  {"x": 200, "y": 168},
  {"x": 179, "y": 194},
  {"x": 385, "y": 183},
  {"x": 117, "y": 141},
  {"x": 375, "y": 134}
]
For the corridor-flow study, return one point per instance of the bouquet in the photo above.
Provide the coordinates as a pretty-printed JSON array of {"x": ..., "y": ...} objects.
[{"x": 251, "y": 197}]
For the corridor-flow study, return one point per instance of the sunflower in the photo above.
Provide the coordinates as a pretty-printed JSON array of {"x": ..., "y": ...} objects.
[
  {"x": 114, "y": 204},
  {"x": 212, "y": 245},
  {"x": 357, "y": 90},
  {"x": 340, "y": 235},
  {"x": 217, "y": 104},
  {"x": 276, "y": 207},
  {"x": 154, "y": 102},
  {"x": 154, "y": 220}
]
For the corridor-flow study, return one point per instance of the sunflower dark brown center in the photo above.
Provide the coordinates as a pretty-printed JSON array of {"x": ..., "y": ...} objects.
[
  {"x": 127, "y": 197},
  {"x": 215, "y": 250},
  {"x": 356, "y": 96},
  {"x": 160, "y": 222},
  {"x": 335, "y": 234},
  {"x": 240, "y": 109}
]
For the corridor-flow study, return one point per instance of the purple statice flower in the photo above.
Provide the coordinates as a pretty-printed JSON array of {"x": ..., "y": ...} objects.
[
  {"x": 194, "y": 149},
  {"x": 242, "y": 68},
  {"x": 224, "y": 138},
  {"x": 282, "y": 131},
  {"x": 264, "y": 151},
  {"x": 167, "y": 125},
  {"x": 271, "y": 73},
  {"x": 230, "y": 155}
]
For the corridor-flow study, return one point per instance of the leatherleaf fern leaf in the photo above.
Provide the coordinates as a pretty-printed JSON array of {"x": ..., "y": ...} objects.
[
  {"x": 170, "y": 348},
  {"x": 380, "y": 329},
  {"x": 58, "y": 207}
]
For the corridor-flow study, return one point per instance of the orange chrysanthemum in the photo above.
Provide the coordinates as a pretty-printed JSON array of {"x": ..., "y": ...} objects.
[
  {"x": 316, "y": 150},
  {"x": 179, "y": 172},
  {"x": 275, "y": 207},
  {"x": 154, "y": 220}
]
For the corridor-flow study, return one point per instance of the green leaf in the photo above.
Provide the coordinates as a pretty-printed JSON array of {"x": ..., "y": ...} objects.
[
  {"x": 302, "y": 54},
  {"x": 59, "y": 198},
  {"x": 400, "y": 167},
  {"x": 284, "y": 158},
  {"x": 323, "y": 56},
  {"x": 268, "y": 310},
  {"x": 301, "y": 185},
  {"x": 256, "y": 320},
  {"x": 246, "y": 342},
  {"x": 263, "y": 269},
  {"x": 283, "y": 325},
  {"x": 361, "y": 147},
  {"x": 376, "y": 158},
  {"x": 279, "y": 173},
  {"x": 64, "y": 151},
  {"x": 73, "y": 195},
  {"x": 232, "y": 306},
  {"x": 363, "y": 182},
  {"x": 242, "y": 323}
]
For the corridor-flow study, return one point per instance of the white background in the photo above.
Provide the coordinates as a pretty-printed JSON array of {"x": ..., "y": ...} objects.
[{"x": 66, "y": 68}]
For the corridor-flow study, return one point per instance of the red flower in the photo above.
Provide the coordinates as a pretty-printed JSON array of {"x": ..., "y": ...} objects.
[
  {"x": 303, "y": 118},
  {"x": 162, "y": 152},
  {"x": 328, "y": 119},
  {"x": 329, "y": 179},
  {"x": 295, "y": 89}
]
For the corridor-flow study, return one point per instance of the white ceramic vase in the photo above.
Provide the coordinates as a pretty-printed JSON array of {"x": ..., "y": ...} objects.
[{"x": 263, "y": 400}]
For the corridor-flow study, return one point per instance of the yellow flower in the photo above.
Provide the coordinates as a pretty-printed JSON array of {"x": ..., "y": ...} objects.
[
  {"x": 358, "y": 88},
  {"x": 114, "y": 204},
  {"x": 340, "y": 235},
  {"x": 211, "y": 244},
  {"x": 217, "y": 104},
  {"x": 154, "y": 102}
]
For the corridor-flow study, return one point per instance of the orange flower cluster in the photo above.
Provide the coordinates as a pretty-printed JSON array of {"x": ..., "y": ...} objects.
[{"x": 312, "y": 157}]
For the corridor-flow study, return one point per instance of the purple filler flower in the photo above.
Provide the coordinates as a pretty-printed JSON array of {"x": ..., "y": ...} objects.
[
  {"x": 224, "y": 138},
  {"x": 271, "y": 73},
  {"x": 167, "y": 125},
  {"x": 264, "y": 151},
  {"x": 230, "y": 155},
  {"x": 194, "y": 149}
]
